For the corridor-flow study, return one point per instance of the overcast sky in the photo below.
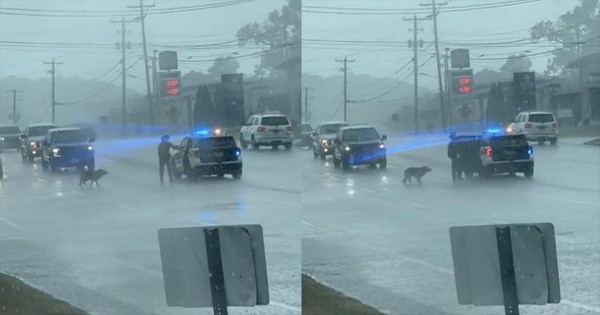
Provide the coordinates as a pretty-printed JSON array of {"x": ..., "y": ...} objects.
[
  {"x": 475, "y": 27},
  {"x": 200, "y": 27}
]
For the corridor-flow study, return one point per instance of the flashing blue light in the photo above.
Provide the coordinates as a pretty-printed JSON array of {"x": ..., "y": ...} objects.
[
  {"x": 530, "y": 151},
  {"x": 201, "y": 132},
  {"x": 493, "y": 130}
]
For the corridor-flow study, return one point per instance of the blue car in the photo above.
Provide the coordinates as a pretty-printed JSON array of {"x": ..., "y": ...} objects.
[{"x": 67, "y": 147}]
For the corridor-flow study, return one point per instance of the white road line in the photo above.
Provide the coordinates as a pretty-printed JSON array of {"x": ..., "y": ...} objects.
[
  {"x": 286, "y": 306},
  {"x": 578, "y": 202},
  {"x": 310, "y": 224},
  {"x": 333, "y": 177},
  {"x": 426, "y": 264},
  {"x": 419, "y": 205},
  {"x": 11, "y": 223},
  {"x": 581, "y": 305},
  {"x": 126, "y": 207}
]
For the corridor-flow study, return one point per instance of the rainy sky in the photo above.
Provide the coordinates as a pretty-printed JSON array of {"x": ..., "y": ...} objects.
[
  {"x": 474, "y": 27},
  {"x": 196, "y": 27}
]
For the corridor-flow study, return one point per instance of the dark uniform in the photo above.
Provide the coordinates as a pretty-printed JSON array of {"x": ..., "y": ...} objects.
[
  {"x": 454, "y": 151},
  {"x": 164, "y": 157}
]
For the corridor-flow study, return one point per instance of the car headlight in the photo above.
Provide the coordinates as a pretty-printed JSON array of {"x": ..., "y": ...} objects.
[
  {"x": 90, "y": 148},
  {"x": 324, "y": 142},
  {"x": 347, "y": 148},
  {"x": 1, "y": 139},
  {"x": 509, "y": 130},
  {"x": 382, "y": 146},
  {"x": 55, "y": 151},
  {"x": 32, "y": 143}
]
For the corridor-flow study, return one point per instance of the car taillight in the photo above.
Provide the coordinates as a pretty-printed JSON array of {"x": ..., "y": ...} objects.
[
  {"x": 528, "y": 125},
  {"x": 488, "y": 151},
  {"x": 290, "y": 128},
  {"x": 260, "y": 129},
  {"x": 554, "y": 125}
]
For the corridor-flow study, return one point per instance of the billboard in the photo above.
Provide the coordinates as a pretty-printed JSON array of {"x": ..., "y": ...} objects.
[
  {"x": 461, "y": 82},
  {"x": 167, "y": 60},
  {"x": 460, "y": 58}
]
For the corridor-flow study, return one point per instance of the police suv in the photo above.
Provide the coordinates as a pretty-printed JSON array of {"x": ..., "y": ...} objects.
[
  {"x": 492, "y": 153},
  {"x": 206, "y": 153}
]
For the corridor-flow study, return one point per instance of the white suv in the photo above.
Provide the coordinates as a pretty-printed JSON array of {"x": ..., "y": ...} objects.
[
  {"x": 267, "y": 130},
  {"x": 536, "y": 126}
]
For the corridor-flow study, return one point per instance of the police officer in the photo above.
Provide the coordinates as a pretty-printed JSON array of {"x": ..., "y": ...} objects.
[
  {"x": 454, "y": 155},
  {"x": 164, "y": 157}
]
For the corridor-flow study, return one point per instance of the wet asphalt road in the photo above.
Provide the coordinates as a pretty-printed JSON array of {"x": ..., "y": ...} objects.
[
  {"x": 98, "y": 248},
  {"x": 387, "y": 244}
]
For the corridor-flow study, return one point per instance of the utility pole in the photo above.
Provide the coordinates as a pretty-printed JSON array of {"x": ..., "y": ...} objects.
[
  {"x": 437, "y": 54},
  {"x": 142, "y": 16},
  {"x": 306, "y": 89},
  {"x": 447, "y": 75},
  {"x": 123, "y": 45},
  {"x": 345, "y": 69},
  {"x": 14, "y": 107},
  {"x": 155, "y": 83},
  {"x": 414, "y": 43},
  {"x": 53, "y": 63}
]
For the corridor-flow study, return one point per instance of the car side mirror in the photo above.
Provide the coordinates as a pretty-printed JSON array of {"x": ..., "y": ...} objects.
[
  {"x": 23, "y": 136},
  {"x": 384, "y": 137}
]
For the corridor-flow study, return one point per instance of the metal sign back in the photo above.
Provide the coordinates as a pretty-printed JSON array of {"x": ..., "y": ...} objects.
[
  {"x": 477, "y": 268},
  {"x": 185, "y": 265}
]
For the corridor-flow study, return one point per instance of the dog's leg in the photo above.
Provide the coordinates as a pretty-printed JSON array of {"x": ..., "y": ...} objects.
[
  {"x": 404, "y": 180},
  {"x": 419, "y": 180},
  {"x": 410, "y": 179}
]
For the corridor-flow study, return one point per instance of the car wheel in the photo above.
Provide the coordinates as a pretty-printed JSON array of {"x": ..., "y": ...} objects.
[
  {"x": 322, "y": 156},
  {"x": 288, "y": 146},
  {"x": 486, "y": 172},
  {"x": 52, "y": 168},
  {"x": 242, "y": 143},
  {"x": 345, "y": 164},
  {"x": 23, "y": 156},
  {"x": 30, "y": 158},
  {"x": 176, "y": 174},
  {"x": 237, "y": 174},
  {"x": 529, "y": 172},
  {"x": 255, "y": 145},
  {"x": 383, "y": 164},
  {"x": 553, "y": 141}
]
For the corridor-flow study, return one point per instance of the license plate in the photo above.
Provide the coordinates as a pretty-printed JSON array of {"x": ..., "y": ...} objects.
[
  {"x": 509, "y": 152},
  {"x": 275, "y": 131},
  {"x": 219, "y": 154}
]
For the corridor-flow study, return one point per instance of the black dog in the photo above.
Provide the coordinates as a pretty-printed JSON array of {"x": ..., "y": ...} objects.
[
  {"x": 416, "y": 172},
  {"x": 91, "y": 175}
]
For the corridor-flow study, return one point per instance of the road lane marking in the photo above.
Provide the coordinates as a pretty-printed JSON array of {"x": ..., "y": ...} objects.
[
  {"x": 578, "y": 202},
  {"x": 426, "y": 264},
  {"x": 580, "y": 305},
  {"x": 11, "y": 223},
  {"x": 126, "y": 207},
  {"x": 310, "y": 224},
  {"x": 333, "y": 177},
  {"x": 419, "y": 205}
]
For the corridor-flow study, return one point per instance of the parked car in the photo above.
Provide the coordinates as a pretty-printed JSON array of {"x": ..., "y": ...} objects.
[
  {"x": 536, "y": 126},
  {"x": 267, "y": 130}
]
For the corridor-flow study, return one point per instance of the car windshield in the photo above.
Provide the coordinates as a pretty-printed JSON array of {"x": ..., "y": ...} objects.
[
  {"x": 68, "y": 136},
  {"x": 205, "y": 143},
  {"x": 541, "y": 118},
  {"x": 10, "y": 130},
  {"x": 275, "y": 121},
  {"x": 360, "y": 134},
  {"x": 306, "y": 128},
  {"x": 38, "y": 130},
  {"x": 331, "y": 129}
]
